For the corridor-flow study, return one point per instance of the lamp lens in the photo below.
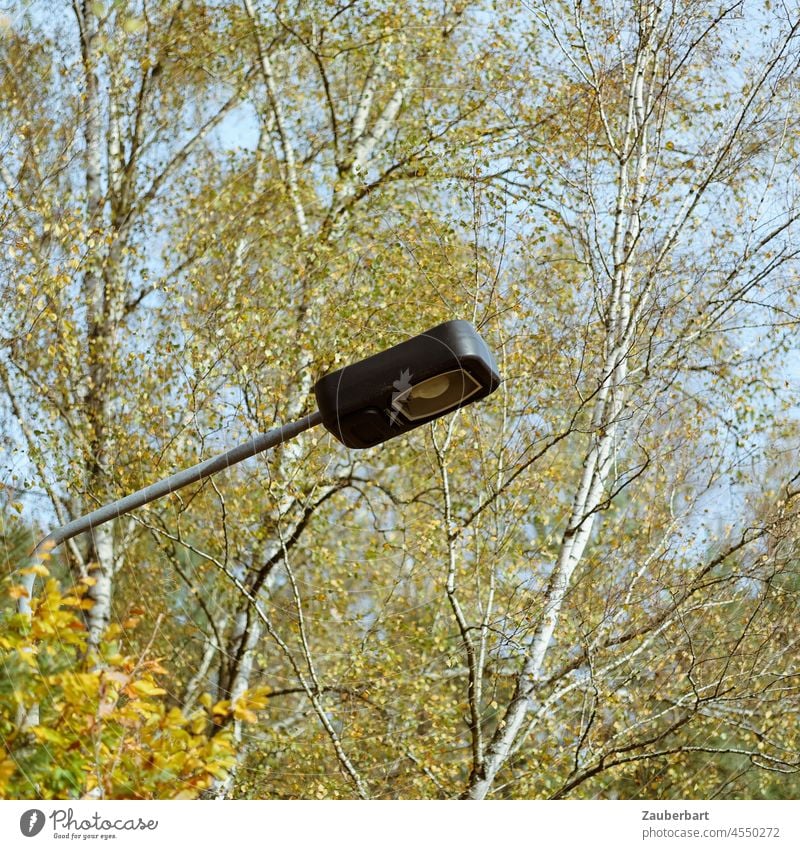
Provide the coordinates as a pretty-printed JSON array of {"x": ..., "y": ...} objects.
[
  {"x": 436, "y": 395},
  {"x": 432, "y": 388}
]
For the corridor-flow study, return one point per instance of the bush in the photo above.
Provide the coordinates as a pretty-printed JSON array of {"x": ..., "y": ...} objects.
[{"x": 74, "y": 724}]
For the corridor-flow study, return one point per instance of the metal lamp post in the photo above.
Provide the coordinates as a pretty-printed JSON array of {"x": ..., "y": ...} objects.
[{"x": 362, "y": 405}]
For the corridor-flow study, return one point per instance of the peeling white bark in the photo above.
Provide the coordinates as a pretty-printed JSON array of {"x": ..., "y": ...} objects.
[
  {"x": 100, "y": 592},
  {"x": 289, "y": 159},
  {"x": 609, "y": 402}
]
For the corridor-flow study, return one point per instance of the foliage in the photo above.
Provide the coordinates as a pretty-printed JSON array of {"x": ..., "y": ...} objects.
[{"x": 78, "y": 725}]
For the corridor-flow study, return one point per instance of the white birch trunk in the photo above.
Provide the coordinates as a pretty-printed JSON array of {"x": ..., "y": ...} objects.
[
  {"x": 96, "y": 397},
  {"x": 610, "y": 400}
]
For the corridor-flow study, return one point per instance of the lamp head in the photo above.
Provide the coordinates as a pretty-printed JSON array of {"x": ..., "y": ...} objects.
[{"x": 407, "y": 385}]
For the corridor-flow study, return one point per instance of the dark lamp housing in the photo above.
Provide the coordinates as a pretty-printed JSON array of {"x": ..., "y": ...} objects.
[{"x": 408, "y": 385}]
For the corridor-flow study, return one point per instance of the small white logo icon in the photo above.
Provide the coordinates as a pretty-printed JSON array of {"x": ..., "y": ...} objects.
[{"x": 401, "y": 387}]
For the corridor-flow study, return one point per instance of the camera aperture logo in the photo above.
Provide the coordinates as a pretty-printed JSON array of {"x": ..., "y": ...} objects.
[
  {"x": 31, "y": 822},
  {"x": 67, "y": 826}
]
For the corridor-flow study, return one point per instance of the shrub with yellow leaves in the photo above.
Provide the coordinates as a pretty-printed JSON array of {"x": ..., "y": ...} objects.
[{"x": 75, "y": 724}]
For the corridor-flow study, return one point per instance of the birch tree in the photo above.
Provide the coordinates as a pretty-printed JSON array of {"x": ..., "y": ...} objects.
[
  {"x": 83, "y": 183},
  {"x": 655, "y": 180}
]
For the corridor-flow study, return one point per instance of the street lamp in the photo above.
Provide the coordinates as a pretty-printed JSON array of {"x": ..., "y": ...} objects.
[
  {"x": 362, "y": 405},
  {"x": 407, "y": 385}
]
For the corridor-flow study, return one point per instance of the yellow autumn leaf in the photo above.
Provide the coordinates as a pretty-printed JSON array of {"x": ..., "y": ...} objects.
[
  {"x": 198, "y": 723},
  {"x": 7, "y": 769},
  {"x": 71, "y": 601},
  {"x": 243, "y": 713},
  {"x": 221, "y": 708},
  {"x": 49, "y": 735},
  {"x": 146, "y": 688},
  {"x": 215, "y": 769},
  {"x": 36, "y": 569}
]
